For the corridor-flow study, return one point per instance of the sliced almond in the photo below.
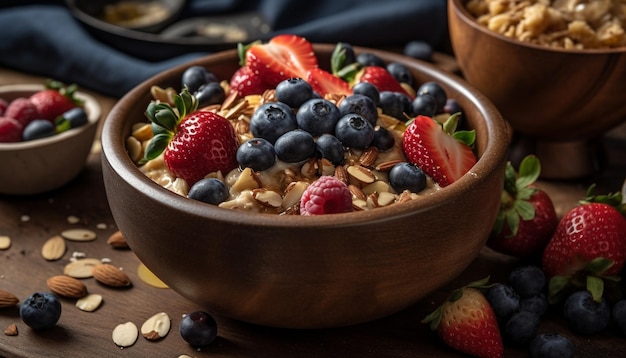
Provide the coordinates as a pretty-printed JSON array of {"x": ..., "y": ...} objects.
[
  {"x": 156, "y": 327},
  {"x": 11, "y": 330},
  {"x": 369, "y": 156},
  {"x": 361, "y": 174},
  {"x": 341, "y": 174},
  {"x": 247, "y": 180},
  {"x": 117, "y": 240},
  {"x": 81, "y": 268},
  {"x": 386, "y": 166},
  {"x": 356, "y": 192},
  {"x": 7, "y": 299},
  {"x": 110, "y": 275},
  {"x": 67, "y": 286},
  {"x": 54, "y": 248},
  {"x": 5, "y": 242},
  {"x": 89, "y": 303},
  {"x": 125, "y": 334},
  {"x": 293, "y": 193},
  {"x": 267, "y": 198},
  {"x": 79, "y": 235}
]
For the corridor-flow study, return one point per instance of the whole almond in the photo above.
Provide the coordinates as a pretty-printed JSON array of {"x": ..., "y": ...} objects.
[
  {"x": 117, "y": 240},
  {"x": 7, "y": 299},
  {"x": 67, "y": 286},
  {"x": 110, "y": 275}
]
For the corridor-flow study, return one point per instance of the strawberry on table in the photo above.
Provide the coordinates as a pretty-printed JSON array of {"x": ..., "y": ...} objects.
[
  {"x": 55, "y": 100},
  {"x": 194, "y": 143},
  {"x": 438, "y": 149},
  {"x": 527, "y": 218},
  {"x": 467, "y": 323}
]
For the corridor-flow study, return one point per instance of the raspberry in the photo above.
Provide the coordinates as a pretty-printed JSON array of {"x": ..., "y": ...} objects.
[
  {"x": 326, "y": 195},
  {"x": 22, "y": 110}
]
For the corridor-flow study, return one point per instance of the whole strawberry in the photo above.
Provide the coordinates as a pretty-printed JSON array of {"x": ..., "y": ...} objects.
[
  {"x": 467, "y": 323},
  {"x": 246, "y": 82},
  {"x": 527, "y": 218},
  {"x": 438, "y": 149},
  {"x": 55, "y": 100},
  {"x": 194, "y": 143}
]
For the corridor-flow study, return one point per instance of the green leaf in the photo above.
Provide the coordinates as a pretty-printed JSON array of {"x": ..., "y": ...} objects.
[
  {"x": 466, "y": 137},
  {"x": 595, "y": 286},
  {"x": 525, "y": 209},
  {"x": 349, "y": 72},
  {"x": 512, "y": 220},
  {"x": 529, "y": 171},
  {"x": 599, "y": 265},
  {"x": 557, "y": 288},
  {"x": 338, "y": 59},
  {"x": 450, "y": 124},
  {"x": 157, "y": 145},
  {"x": 167, "y": 119}
]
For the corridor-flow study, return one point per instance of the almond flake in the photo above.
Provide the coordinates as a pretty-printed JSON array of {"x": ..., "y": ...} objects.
[
  {"x": 89, "y": 303},
  {"x": 369, "y": 156},
  {"x": 125, "y": 334},
  {"x": 156, "y": 327},
  {"x": 54, "y": 248},
  {"x": 361, "y": 174},
  {"x": 5, "y": 242},
  {"x": 81, "y": 268},
  {"x": 79, "y": 235}
]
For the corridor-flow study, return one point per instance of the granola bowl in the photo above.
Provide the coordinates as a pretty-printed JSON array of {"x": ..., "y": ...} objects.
[
  {"x": 295, "y": 271},
  {"x": 560, "y": 101}
]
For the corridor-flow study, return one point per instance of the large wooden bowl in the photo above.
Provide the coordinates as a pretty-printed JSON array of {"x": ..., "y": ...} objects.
[{"x": 306, "y": 272}]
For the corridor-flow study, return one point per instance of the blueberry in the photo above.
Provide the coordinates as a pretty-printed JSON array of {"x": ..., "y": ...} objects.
[
  {"x": 383, "y": 139},
  {"x": 420, "y": 50},
  {"x": 527, "y": 280},
  {"x": 346, "y": 52},
  {"x": 503, "y": 299},
  {"x": 619, "y": 315},
  {"x": 293, "y": 92},
  {"x": 257, "y": 154},
  {"x": 318, "y": 116},
  {"x": 370, "y": 59},
  {"x": 271, "y": 120},
  {"x": 72, "y": 118},
  {"x": 195, "y": 76},
  {"x": 551, "y": 345},
  {"x": 584, "y": 315},
  {"x": 198, "y": 328},
  {"x": 400, "y": 72},
  {"x": 329, "y": 147},
  {"x": 435, "y": 90},
  {"x": 425, "y": 105},
  {"x": 361, "y": 105},
  {"x": 41, "y": 310},
  {"x": 38, "y": 128},
  {"x": 452, "y": 106},
  {"x": 521, "y": 328},
  {"x": 391, "y": 104},
  {"x": 367, "y": 89},
  {"x": 209, "y": 190},
  {"x": 295, "y": 146},
  {"x": 210, "y": 93},
  {"x": 406, "y": 176},
  {"x": 537, "y": 304},
  {"x": 354, "y": 131}
]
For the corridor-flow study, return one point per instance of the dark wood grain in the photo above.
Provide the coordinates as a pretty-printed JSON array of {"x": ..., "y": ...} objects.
[{"x": 81, "y": 334}]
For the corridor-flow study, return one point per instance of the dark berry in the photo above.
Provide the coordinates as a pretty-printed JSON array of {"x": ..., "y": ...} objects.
[
  {"x": 293, "y": 92},
  {"x": 367, "y": 89},
  {"x": 271, "y": 120},
  {"x": 503, "y": 299},
  {"x": 209, "y": 190},
  {"x": 198, "y": 328},
  {"x": 551, "y": 345},
  {"x": 521, "y": 328},
  {"x": 406, "y": 176},
  {"x": 370, "y": 59},
  {"x": 344, "y": 54},
  {"x": 329, "y": 147},
  {"x": 383, "y": 139},
  {"x": 527, "y": 280},
  {"x": 326, "y": 195},
  {"x": 72, "y": 118},
  {"x": 318, "y": 116},
  {"x": 41, "y": 310},
  {"x": 619, "y": 315},
  {"x": 210, "y": 93},
  {"x": 391, "y": 104},
  {"x": 354, "y": 131},
  {"x": 295, "y": 146},
  {"x": 361, "y": 105},
  {"x": 452, "y": 106},
  {"x": 435, "y": 90},
  {"x": 38, "y": 128},
  {"x": 196, "y": 76},
  {"x": 537, "y": 304},
  {"x": 584, "y": 315},
  {"x": 400, "y": 72},
  {"x": 420, "y": 50},
  {"x": 424, "y": 105},
  {"x": 257, "y": 154}
]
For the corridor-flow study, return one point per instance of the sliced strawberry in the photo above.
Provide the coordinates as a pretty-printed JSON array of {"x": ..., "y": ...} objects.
[
  {"x": 246, "y": 82},
  {"x": 324, "y": 82},
  {"x": 283, "y": 57},
  {"x": 438, "y": 153},
  {"x": 381, "y": 78}
]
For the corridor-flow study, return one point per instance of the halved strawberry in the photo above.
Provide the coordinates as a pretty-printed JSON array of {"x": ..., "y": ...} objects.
[
  {"x": 381, "y": 78},
  {"x": 283, "y": 57},
  {"x": 438, "y": 150},
  {"x": 324, "y": 82},
  {"x": 246, "y": 82}
]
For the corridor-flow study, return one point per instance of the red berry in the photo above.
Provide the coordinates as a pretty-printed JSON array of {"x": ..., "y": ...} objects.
[
  {"x": 246, "y": 82},
  {"x": 3, "y": 105},
  {"x": 51, "y": 103},
  {"x": 10, "y": 130},
  {"x": 23, "y": 110},
  {"x": 326, "y": 195}
]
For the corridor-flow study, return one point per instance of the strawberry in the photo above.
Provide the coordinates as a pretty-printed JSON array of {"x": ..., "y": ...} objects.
[
  {"x": 10, "y": 130},
  {"x": 3, "y": 105},
  {"x": 466, "y": 322},
  {"x": 246, "y": 82},
  {"x": 194, "y": 143},
  {"x": 527, "y": 218},
  {"x": 324, "y": 82},
  {"x": 283, "y": 57},
  {"x": 381, "y": 78},
  {"x": 588, "y": 246},
  {"x": 439, "y": 150},
  {"x": 55, "y": 100},
  {"x": 23, "y": 110}
]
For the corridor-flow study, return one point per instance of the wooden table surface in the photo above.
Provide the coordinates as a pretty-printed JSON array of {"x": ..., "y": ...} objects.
[{"x": 29, "y": 221}]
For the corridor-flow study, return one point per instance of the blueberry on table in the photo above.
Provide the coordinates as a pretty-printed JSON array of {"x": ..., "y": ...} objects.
[
  {"x": 293, "y": 92},
  {"x": 406, "y": 176},
  {"x": 503, "y": 300},
  {"x": 41, "y": 310},
  {"x": 551, "y": 345},
  {"x": 210, "y": 93},
  {"x": 329, "y": 147},
  {"x": 527, "y": 280},
  {"x": 37, "y": 129},
  {"x": 354, "y": 131},
  {"x": 196, "y": 76},
  {"x": 209, "y": 190},
  {"x": 521, "y": 328},
  {"x": 295, "y": 146},
  {"x": 584, "y": 315},
  {"x": 271, "y": 120},
  {"x": 361, "y": 105},
  {"x": 318, "y": 116},
  {"x": 435, "y": 90},
  {"x": 257, "y": 154},
  {"x": 198, "y": 328}
]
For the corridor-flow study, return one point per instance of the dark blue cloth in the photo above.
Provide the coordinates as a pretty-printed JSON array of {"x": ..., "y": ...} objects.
[{"x": 46, "y": 40}]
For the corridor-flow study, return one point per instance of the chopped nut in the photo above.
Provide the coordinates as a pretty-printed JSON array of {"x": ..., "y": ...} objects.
[
  {"x": 11, "y": 330},
  {"x": 361, "y": 174}
]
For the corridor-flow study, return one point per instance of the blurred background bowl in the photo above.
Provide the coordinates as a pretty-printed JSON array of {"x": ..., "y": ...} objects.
[
  {"x": 559, "y": 102},
  {"x": 306, "y": 272},
  {"x": 42, "y": 165}
]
